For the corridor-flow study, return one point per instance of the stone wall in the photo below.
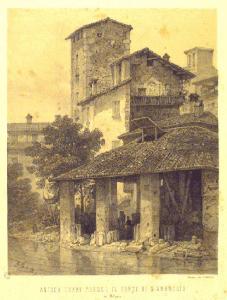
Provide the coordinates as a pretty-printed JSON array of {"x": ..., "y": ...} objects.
[
  {"x": 149, "y": 206},
  {"x": 106, "y": 208},
  {"x": 210, "y": 194},
  {"x": 156, "y": 79},
  {"x": 92, "y": 55}
]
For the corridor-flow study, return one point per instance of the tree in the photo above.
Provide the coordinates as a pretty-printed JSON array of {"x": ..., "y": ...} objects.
[
  {"x": 66, "y": 146},
  {"x": 22, "y": 202}
]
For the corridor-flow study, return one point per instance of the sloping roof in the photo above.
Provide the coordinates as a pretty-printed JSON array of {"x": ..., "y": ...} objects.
[
  {"x": 154, "y": 55},
  {"x": 97, "y": 23},
  {"x": 108, "y": 90},
  {"x": 182, "y": 148},
  {"x": 26, "y": 127},
  {"x": 199, "y": 48},
  {"x": 207, "y": 118}
]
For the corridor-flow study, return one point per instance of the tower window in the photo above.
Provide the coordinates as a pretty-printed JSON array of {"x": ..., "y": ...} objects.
[
  {"x": 116, "y": 109},
  {"x": 193, "y": 59},
  {"x": 77, "y": 77}
]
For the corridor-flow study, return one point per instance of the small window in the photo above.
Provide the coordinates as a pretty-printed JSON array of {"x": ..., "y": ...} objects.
[
  {"x": 193, "y": 59},
  {"x": 77, "y": 78},
  {"x": 99, "y": 34},
  {"x": 189, "y": 60},
  {"x": 142, "y": 92},
  {"x": 116, "y": 109},
  {"x": 76, "y": 60}
]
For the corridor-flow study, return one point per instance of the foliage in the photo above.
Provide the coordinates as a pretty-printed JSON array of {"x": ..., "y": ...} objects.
[
  {"x": 66, "y": 146},
  {"x": 49, "y": 215},
  {"x": 22, "y": 202}
]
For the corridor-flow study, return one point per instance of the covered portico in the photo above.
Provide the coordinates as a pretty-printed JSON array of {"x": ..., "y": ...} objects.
[{"x": 179, "y": 151}]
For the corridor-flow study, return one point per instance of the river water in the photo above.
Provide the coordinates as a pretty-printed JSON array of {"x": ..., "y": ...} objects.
[{"x": 33, "y": 258}]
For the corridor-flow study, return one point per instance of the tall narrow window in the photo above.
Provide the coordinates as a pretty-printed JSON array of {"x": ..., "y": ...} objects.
[
  {"x": 193, "y": 59},
  {"x": 116, "y": 109}
]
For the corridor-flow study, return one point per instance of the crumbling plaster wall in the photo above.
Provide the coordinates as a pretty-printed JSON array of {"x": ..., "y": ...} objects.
[{"x": 101, "y": 115}]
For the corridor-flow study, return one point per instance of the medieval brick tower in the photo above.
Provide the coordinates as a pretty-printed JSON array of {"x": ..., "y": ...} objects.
[{"x": 93, "y": 48}]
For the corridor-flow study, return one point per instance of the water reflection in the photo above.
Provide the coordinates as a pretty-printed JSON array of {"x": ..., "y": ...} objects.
[{"x": 27, "y": 257}]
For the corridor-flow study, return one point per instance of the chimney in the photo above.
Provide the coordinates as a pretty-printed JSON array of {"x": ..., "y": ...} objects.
[
  {"x": 166, "y": 57},
  {"x": 198, "y": 108},
  {"x": 29, "y": 119}
]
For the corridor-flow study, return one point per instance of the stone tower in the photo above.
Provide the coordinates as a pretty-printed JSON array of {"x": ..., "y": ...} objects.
[
  {"x": 199, "y": 59},
  {"x": 93, "y": 48}
]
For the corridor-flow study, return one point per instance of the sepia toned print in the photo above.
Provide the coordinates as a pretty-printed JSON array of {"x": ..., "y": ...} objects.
[{"x": 123, "y": 180}]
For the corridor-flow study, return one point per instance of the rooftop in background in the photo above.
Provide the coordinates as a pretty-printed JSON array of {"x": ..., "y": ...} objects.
[
  {"x": 97, "y": 23},
  {"x": 199, "y": 48},
  {"x": 28, "y": 126}
]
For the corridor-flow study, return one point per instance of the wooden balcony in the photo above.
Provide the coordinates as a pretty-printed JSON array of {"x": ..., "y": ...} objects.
[{"x": 156, "y": 100}]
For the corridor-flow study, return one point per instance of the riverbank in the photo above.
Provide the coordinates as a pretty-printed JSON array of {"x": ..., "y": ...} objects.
[
  {"x": 161, "y": 248},
  {"x": 48, "y": 258}
]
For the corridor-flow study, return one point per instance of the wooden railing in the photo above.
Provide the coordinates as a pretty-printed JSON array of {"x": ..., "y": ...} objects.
[{"x": 156, "y": 100}]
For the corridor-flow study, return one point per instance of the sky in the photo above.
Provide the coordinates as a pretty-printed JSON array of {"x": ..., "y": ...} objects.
[{"x": 39, "y": 57}]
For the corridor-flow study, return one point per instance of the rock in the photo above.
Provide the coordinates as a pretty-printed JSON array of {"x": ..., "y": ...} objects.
[
  {"x": 100, "y": 238},
  {"x": 83, "y": 240},
  {"x": 134, "y": 248}
]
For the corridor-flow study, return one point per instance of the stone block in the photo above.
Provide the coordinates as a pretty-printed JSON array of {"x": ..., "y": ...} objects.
[{"x": 149, "y": 206}]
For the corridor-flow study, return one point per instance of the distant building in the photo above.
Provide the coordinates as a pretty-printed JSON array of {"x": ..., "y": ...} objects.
[
  {"x": 21, "y": 136},
  {"x": 205, "y": 84}
]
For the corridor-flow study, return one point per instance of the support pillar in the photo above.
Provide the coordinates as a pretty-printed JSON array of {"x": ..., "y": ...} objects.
[
  {"x": 67, "y": 211},
  {"x": 149, "y": 207},
  {"x": 210, "y": 208},
  {"x": 106, "y": 208},
  {"x": 136, "y": 195}
]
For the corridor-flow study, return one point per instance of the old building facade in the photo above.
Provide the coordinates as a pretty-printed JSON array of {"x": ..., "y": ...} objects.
[
  {"x": 21, "y": 136},
  {"x": 205, "y": 83},
  {"x": 115, "y": 86},
  {"x": 168, "y": 159}
]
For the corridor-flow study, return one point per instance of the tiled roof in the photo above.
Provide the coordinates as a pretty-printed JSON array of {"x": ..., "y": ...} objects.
[
  {"x": 110, "y": 89},
  {"x": 199, "y": 48},
  {"x": 152, "y": 54},
  {"x": 25, "y": 127},
  {"x": 97, "y": 23},
  {"x": 183, "y": 148},
  {"x": 207, "y": 118}
]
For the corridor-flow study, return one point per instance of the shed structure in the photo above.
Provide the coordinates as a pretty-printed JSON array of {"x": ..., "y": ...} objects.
[{"x": 176, "y": 174}]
